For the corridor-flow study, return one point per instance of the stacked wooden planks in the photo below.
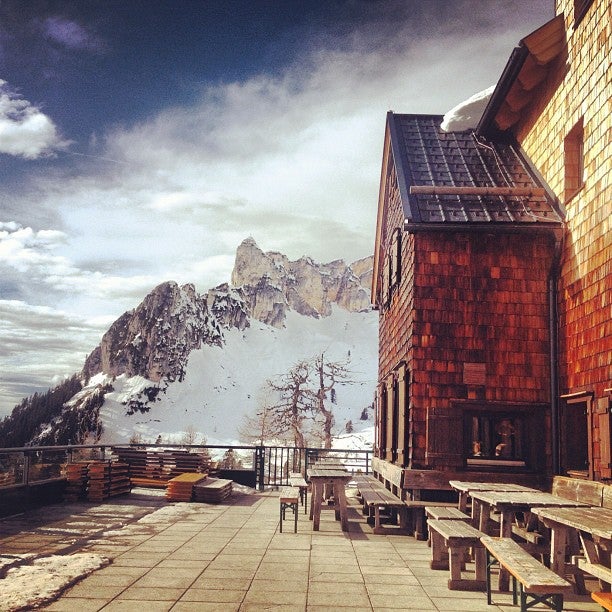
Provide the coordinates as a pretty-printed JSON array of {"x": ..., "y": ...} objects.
[
  {"x": 107, "y": 479},
  {"x": 76, "y": 481},
  {"x": 96, "y": 480},
  {"x": 180, "y": 488},
  {"x": 212, "y": 490},
  {"x": 156, "y": 466}
]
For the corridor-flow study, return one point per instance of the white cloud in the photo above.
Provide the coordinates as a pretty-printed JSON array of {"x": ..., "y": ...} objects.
[
  {"x": 291, "y": 159},
  {"x": 25, "y": 131},
  {"x": 71, "y": 34}
]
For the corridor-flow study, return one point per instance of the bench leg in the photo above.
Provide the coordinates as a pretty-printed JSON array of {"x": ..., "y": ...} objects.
[
  {"x": 439, "y": 556},
  {"x": 554, "y": 601},
  {"x": 491, "y": 560},
  {"x": 420, "y": 530}
]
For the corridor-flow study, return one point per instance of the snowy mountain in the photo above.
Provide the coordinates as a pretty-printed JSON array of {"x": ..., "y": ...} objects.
[{"x": 184, "y": 364}]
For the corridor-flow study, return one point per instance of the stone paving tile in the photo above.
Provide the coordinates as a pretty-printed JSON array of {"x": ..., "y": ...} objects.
[
  {"x": 152, "y": 593},
  {"x": 125, "y": 605},
  {"x": 85, "y": 591},
  {"x": 461, "y": 603},
  {"x": 412, "y": 590},
  {"x": 291, "y": 584},
  {"x": 207, "y": 582},
  {"x": 214, "y": 595},
  {"x": 77, "y": 605},
  {"x": 334, "y": 577},
  {"x": 334, "y": 600},
  {"x": 200, "y": 606},
  {"x": 276, "y": 597},
  {"x": 268, "y": 607},
  {"x": 344, "y": 589},
  {"x": 228, "y": 574},
  {"x": 401, "y": 602},
  {"x": 176, "y": 578},
  {"x": 346, "y": 606}
]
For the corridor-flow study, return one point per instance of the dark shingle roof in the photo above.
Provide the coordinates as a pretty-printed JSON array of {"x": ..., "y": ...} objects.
[{"x": 424, "y": 155}]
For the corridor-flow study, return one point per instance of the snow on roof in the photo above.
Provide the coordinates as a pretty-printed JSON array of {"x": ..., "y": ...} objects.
[{"x": 467, "y": 114}]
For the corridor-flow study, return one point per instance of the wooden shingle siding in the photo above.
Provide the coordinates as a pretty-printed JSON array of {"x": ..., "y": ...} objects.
[
  {"x": 487, "y": 305},
  {"x": 579, "y": 94}
]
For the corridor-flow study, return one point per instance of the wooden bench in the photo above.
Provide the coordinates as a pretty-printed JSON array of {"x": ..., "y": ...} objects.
[
  {"x": 538, "y": 584},
  {"x": 445, "y": 513},
  {"x": 288, "y": 498},
  {"x": 450, "y": 540},
  {"x": 416, "y": 521},
  {"x": 297, "y": 480},
  {"x": 375, "y": 497},
  {"x": 603, "y": 599}
]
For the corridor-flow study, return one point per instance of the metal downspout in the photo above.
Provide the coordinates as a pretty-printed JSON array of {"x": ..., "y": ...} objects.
[{"x": 553, "y": 322}]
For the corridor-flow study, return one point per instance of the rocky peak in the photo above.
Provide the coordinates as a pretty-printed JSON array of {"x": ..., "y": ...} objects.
[{"x": 272, "y": 283}]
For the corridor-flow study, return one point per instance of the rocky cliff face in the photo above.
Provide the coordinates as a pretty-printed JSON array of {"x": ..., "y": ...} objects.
[
  {"x": 272, "y": 284},
  {"x": 155, "y": 339}
]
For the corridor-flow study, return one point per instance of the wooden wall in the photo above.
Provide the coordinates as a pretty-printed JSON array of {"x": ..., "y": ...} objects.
[
  {"x": 468, "y": 320},
  {"x": 580, "y": 91}
]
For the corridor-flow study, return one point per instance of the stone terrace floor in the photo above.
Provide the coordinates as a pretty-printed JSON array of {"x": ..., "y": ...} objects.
[{"x": 192, "y": 556}]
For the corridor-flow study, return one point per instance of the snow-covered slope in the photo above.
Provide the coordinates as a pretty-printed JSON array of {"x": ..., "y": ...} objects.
[
  {"x": 223, "y": 383},
  {"x": 185, "y": 366}
]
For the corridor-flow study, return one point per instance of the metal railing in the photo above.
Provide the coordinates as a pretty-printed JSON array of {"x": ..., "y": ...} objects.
[{"x": 270, "y": 465}]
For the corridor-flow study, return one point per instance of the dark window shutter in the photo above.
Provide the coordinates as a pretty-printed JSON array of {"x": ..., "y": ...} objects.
[
  {"x": 390, "y": 396},
  {"x": 403, "y": 416},
  {"x": 444, "y": 436},
  {"x": 604, "y": 417}
]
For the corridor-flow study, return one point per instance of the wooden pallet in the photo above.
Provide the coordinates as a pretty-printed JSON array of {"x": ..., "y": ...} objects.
[
  {"x": 212, "y": 490},
  {"x": 180, "y": 488}
]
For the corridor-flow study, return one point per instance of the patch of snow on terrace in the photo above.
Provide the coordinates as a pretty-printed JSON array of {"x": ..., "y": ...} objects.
[
  {"x": 467, "y": 114},
  {"x": 40, "y": 581}
]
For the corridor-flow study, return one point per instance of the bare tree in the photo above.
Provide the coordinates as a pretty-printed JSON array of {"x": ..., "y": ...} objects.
[
  {"x": 328, "y": 374},
  {"x": 295, "y": 401},
  {"x": 260, "y": 428},
  {"x": 190, "y": 435}
]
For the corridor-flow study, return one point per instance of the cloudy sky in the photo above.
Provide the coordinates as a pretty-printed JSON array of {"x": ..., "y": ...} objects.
[{"x": 143, "y": 140}]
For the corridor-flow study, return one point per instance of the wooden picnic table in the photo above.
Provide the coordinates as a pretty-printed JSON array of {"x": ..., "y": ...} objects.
[
  {"x": 336, "y": 481},
  {"x": 508, "y": 503},
  {"x": 466, "y": 487},
  {"x": 593, "y": 525}
]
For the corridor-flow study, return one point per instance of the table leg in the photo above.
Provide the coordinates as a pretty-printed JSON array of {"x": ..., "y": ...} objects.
[
  {"x": 463, "y": 496},
  {"x": 558, "y": 543},
  {"x": 482, "y": 513},
  {"x": 317, "y": 495},
  {"x": 340, "y": 497}
]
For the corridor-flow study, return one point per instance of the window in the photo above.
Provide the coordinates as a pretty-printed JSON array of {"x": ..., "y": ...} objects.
[
  {"x": 573, "y": 150},
  {"x": 580, "y": 9},
  {"x": 501, "y": 435},
  {"x": 497, "y": 438}
]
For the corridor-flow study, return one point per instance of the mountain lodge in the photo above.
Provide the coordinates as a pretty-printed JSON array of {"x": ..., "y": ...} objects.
[{"x": 492, "y": 273}]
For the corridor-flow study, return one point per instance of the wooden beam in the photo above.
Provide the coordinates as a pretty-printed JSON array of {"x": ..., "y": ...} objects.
[{"x": 478, "y": 191}]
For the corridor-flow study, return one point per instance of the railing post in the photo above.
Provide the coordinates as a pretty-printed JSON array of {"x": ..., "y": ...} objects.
[
  {"x": 259, "y": 466},
  {"x": 26, "y": 468}
]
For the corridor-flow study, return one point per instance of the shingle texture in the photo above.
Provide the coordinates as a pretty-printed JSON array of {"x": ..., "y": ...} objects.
[{"x": 428, "y": 156}]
